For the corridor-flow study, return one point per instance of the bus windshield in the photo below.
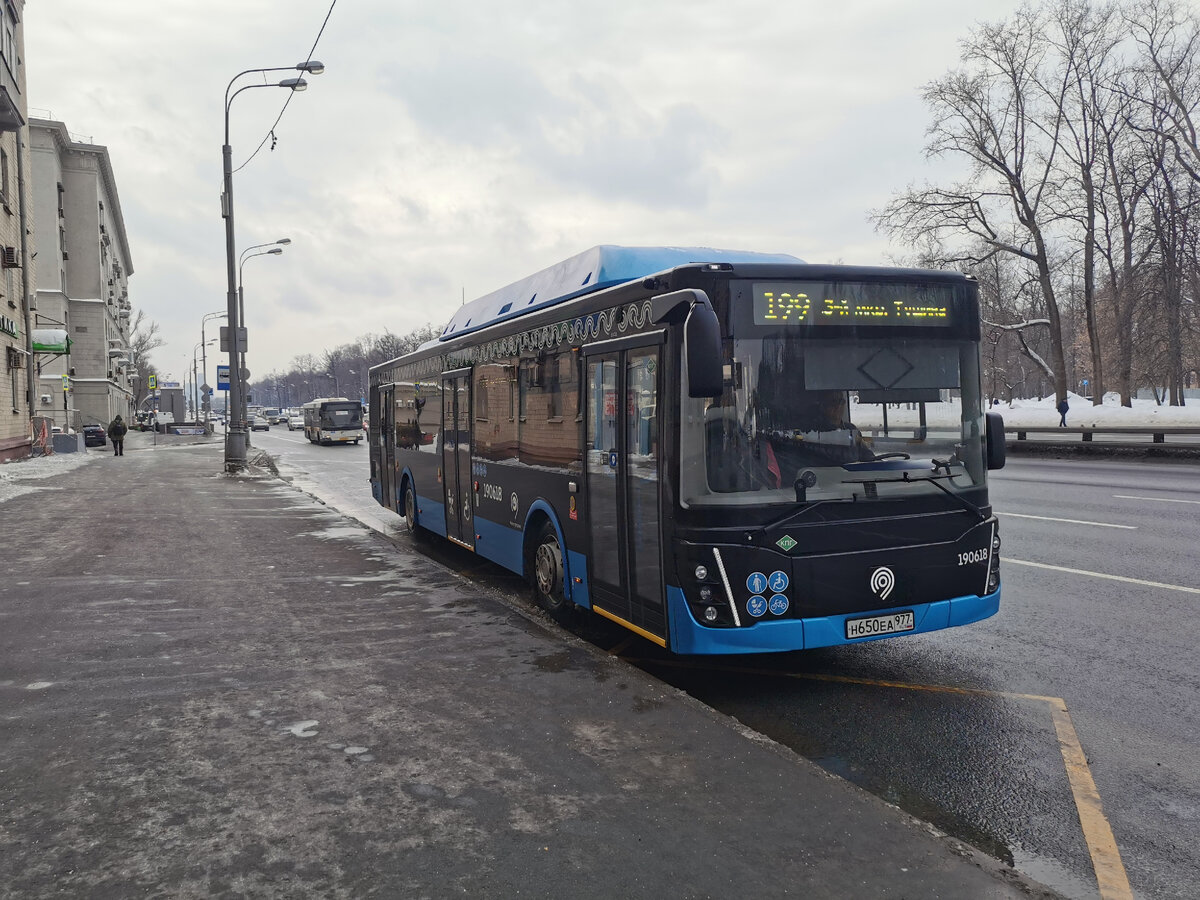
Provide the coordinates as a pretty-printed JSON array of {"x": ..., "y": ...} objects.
[{"x": 807, "y": 419}]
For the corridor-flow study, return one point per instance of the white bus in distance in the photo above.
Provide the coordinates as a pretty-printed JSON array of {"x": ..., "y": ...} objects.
[{"x": 333, "y": 420}]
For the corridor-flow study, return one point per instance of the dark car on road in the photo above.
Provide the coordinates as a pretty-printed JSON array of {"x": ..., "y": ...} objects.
[{"x": 93, "y": 436}]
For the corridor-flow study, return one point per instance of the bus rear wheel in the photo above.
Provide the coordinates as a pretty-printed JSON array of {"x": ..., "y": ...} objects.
[{"x": 548, "y": 575}]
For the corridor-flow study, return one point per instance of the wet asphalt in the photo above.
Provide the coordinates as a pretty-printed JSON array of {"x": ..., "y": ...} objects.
[{"x": 216, "y": 686}]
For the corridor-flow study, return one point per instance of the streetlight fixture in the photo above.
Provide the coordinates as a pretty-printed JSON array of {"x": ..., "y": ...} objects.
[{"x": 235, "y": 437}]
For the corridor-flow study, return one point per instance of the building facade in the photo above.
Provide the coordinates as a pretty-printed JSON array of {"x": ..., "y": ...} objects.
[
  {"x": 16, "y": 288},
  {"x": 83, "y": 265}
]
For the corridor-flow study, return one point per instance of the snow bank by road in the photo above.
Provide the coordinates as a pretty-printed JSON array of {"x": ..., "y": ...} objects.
[
  {"x": 1041, "y": 413},
  {"x": 23, "y": 476}
]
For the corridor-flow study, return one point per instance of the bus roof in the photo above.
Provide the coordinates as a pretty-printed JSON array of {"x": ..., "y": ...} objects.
[{"x": 592, "y": 270}]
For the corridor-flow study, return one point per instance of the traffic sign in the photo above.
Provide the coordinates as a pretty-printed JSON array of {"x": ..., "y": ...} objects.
[
  {"x": 222, "y": 378},
  {"x": 152, "y": 381}
]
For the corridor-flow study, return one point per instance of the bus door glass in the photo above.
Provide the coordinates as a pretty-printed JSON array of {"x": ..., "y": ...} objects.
[
  {"x": 623, "y": 485},
  {"x": 385, "y": 450},
  {"x": 456, "y": 456}
]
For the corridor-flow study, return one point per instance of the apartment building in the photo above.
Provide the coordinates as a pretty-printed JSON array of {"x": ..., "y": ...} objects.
[
  {"x": 15, "y": 291},
  {"x": 83, "y": 268}
]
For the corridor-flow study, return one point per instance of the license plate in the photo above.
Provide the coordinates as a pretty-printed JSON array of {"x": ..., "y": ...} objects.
[{"x": 871, "y": 626}]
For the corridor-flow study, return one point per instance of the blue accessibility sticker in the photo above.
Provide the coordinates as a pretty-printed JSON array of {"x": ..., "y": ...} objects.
[
  {"x": 779, "y": 604},
  {"x": 779, "y": 582},
  {"x": 756, "y": 606},
  {"x": 756, "y": 583}
]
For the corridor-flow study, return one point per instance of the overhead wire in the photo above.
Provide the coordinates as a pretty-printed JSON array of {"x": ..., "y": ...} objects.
[{"x": 270, "y": 135}]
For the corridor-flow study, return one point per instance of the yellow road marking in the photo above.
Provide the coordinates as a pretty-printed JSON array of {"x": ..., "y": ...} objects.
[
  {"x": 1102, "y": 845},
  {"x": 1106, "y": 858}
]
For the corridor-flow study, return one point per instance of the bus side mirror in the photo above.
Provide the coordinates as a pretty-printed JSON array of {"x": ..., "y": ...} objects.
[
  {"x": 995, "y": 441},
  {"x": 701, "y": 338}
]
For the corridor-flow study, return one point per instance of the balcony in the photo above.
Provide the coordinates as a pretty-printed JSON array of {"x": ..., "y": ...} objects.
[{"x": 11, "y": 118}]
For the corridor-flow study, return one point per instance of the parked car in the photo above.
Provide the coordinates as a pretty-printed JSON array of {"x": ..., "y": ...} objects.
[
  {"x": 94, "y": 436},
  {"x": 295, "y": 422},
  {"x": 260, "y": 424}
]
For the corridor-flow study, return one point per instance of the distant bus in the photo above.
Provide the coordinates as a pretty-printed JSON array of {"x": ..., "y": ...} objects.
[
  {"x": 333, "y": 420},
  {"x": 273, "y": 415},
  {"x": 722, "y": 451}
]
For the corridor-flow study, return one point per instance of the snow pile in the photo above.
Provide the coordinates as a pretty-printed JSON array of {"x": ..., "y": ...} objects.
[
  {"x": 1034, "y": 413},
  {"x": 16, "y": 476}
]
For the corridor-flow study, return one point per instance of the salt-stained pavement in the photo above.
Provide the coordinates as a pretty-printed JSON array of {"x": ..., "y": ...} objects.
[{"x": 215, "y": 686}]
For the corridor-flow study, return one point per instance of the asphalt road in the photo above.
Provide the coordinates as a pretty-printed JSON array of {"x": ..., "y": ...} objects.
[{"x": 964, "y": 728}]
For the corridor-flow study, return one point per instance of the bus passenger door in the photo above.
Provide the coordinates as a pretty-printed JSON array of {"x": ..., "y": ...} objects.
[
  {"x": 456, "y": 456},
  {"x": 622, "y": 478},
  {"x": 385, "y": 451}
]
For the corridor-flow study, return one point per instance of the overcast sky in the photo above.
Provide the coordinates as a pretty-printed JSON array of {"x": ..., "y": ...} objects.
[{"x": 453, "y": 147}]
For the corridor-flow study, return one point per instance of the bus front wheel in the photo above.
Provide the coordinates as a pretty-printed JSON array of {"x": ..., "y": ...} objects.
[
  {"x": 409, "y": 507},
  {"x": 548, "y": 575}
]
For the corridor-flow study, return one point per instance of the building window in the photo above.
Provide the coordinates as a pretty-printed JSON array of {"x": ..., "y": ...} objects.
[
  {"x": 4, "y": 178},
  {"x": 9, "y": 46}
]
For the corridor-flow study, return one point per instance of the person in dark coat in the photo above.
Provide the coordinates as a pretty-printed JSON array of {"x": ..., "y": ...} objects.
[
  {"x": 1062, "y": 412},
  {"x": 116, "y": 434}
]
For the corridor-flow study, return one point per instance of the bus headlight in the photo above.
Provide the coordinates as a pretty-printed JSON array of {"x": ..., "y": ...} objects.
[
  {"x": 710, "y": 614},
  {"x": 706, "y": 594},
  {"x": 701, "y": 573}
]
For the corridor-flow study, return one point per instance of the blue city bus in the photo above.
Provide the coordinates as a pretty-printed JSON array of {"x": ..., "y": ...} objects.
[{"x": 722, "y": 451}]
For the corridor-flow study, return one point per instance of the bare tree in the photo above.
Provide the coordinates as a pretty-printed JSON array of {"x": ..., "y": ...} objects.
[
  {"x": 994, "y": 114},
  {"x": 143, "y": 338},
  {"x": 1169, "y": 34}
]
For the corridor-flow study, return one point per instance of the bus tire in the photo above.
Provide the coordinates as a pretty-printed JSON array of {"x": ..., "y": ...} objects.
[
  {"x": 408, "y": 509},
  {"x": 547, "y": 575}
]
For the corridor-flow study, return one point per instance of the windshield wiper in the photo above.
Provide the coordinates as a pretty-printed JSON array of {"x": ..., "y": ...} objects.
[
  {"x": 933, "y": 479},
  {"x": 807, "y": 508}
]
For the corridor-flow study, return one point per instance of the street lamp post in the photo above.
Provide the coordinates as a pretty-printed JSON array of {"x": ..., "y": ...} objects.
[
  {"x": 246, "y": 254},
  {"x": 235, "y": 437},
  {"x": 204, "y": 356},
  {"x": 195, "y": 384}
]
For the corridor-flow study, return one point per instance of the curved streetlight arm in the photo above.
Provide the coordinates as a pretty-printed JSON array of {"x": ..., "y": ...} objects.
[
  {"x": 296, "y": 84},
  {"x": 283, "y": 241},
  {"x": 275, "y": 251},
  {"x": 312, "y": 67}
]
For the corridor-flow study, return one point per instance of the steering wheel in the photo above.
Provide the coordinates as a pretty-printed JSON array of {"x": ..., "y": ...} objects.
[{"x": 892, "y": 456}]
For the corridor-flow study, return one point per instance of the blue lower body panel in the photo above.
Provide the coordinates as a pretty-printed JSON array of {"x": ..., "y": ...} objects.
[
  {"x": 689, "y": 636},
  {"x": 500, "y": 544},
  {"x": 431, "y": 515}
]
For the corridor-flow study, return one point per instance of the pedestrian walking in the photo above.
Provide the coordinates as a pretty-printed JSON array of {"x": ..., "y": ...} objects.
[
  {"x": 116, "y": 434},
  {"x": 1062, "y": 412}
]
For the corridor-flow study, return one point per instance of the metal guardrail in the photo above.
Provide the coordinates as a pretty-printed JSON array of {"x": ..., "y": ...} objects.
[{"x": 1158, "y": 433}]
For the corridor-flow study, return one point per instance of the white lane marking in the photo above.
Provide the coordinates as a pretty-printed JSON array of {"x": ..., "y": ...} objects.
[
  {"x": 1071, "y": 521},
  {"x": 1159, "y": 499},
  {"x": 1157, "y": 584}
]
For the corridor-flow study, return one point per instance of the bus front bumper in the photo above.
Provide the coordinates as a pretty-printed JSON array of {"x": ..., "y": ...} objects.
[{"x": 689, "y": 636}]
